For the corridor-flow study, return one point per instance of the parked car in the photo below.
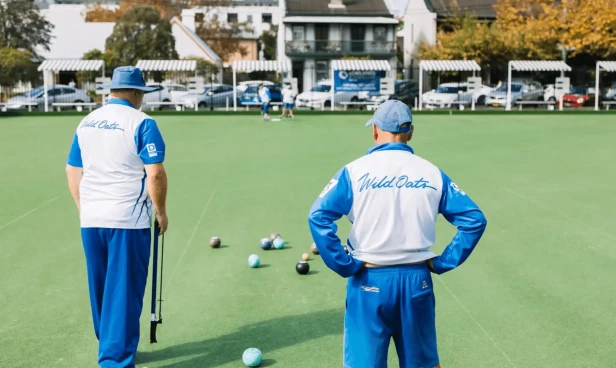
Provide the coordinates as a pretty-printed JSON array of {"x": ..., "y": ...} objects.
[
  {"x": 405, "y": 91},
  {"x": 216, "y": 95},
  {"x": 447, "y": 93},
  {"x": 611, "y": 93},
  {"x": 251, "y": 94},
  {"x": 57, "y": 93},
  {"x": 520, "y": 91},
  {"x": 241, "y": 86},
  {"x": 579, "y": 96},
  {"x": 160, "y": 94},
  {"x": 320, "y": 95},
  {"x": 176, "y": 90}
]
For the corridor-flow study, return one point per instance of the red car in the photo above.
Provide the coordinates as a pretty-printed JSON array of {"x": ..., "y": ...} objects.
[{"x": 579, "y": 96}]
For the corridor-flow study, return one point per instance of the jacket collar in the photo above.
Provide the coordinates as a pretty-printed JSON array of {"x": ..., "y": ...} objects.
[
  {"x": 391, "y": 147},
  {"x": 119, "y": 101}
]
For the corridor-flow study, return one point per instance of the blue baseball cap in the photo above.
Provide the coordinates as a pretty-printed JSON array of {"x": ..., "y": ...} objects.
[
  {"x": 128, "y": 77},
  {"x": 391, "y": 115}
]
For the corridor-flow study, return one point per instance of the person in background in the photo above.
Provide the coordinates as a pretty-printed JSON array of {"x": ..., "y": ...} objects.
[
  {"x": 288, "y": 99},
  {"x": 265, "y": 97}
]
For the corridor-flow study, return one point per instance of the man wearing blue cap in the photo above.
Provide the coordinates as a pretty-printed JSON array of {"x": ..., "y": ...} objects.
[
  {"x": 392, "y": 198},
  {"x": 116, "y": 177}
]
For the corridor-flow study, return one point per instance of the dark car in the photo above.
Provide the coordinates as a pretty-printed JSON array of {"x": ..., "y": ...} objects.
[
  {"x": 405, "y": 91},
  {"x": 251, "y": 94}
]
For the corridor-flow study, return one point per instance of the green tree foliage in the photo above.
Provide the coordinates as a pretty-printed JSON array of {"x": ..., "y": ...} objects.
[
  {"x": 268, "y": 39},
  {"x": 16, "y": 65},
  {"x": 141, "y": 34},
  {"x": 23, "y": 27}
]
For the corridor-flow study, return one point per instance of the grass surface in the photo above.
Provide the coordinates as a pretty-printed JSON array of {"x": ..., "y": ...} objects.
[{"x": 537, "y": 292}]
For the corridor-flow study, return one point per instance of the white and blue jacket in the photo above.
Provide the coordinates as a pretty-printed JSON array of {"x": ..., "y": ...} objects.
[
  {"x": 265, "y": 95},
  {"x": 392, "y": 198},
  {"x": 112, "y": 145}
]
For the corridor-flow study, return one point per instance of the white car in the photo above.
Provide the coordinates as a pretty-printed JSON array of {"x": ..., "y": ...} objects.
[
  {"x": 242, "y": 86},
  {"x": 176, "y": 91},
  {"x": 551, "y": 94},
  {"x": 321, "y": 96},
  {"x": 161, "y": 94},
  {"x": 448, "y": 93}
]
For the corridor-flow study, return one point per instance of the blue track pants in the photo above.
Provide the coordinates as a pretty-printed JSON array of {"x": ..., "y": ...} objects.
[
  {"x": 388, "y": 302},
  {"x": 117, "y": 261}
]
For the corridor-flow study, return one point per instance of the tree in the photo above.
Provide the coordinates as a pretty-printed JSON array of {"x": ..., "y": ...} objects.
[
  {"x": 529, "y": 29},
  {"x": 141, "y": 34},
  {"x": 96, "y": 13},
  {"x": 110, "y": 58},
  {"x": 23, "y": 27},
  {"x": 16, "y": 65},
  {"x": 268, "y": 40},
  {"x": 225, "y": 39},
  {"x": 468, "y": 39},
  {"x": 538, "y": 26}
]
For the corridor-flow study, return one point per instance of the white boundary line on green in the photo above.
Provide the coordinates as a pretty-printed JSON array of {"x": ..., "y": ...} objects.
[
  {"x": 564, "y": 215},
  {"x": 30, "y": 212},
  {"x": 191, "y": 238},
  {"x": 476, "y": 322}
]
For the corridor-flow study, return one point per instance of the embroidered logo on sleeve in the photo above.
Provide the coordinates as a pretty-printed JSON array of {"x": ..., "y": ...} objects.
[
  {"x": 455, "y": 187},
  {"x": 152, "y": 150},
  {"x": 328, "y": 187}
]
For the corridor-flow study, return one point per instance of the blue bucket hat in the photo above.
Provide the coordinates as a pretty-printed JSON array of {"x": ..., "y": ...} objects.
[
  {"x": 391, "y": 115},
  {"x": 128, "y": 77}
]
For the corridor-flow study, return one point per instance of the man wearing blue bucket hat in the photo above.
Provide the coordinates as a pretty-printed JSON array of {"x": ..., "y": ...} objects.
[
  {"x": 392, "y": 198},
  {"x": 117, "y": 179}
]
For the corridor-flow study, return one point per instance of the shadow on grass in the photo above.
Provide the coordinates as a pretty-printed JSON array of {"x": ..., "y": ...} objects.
[
  {"x": 267, "y": 336},
  {"x": 264, "y": 265}
]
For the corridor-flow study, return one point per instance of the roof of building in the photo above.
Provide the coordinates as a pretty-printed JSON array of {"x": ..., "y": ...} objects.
[
  {"x": 352, "y": 7},
  {"x": 71, "y": 65},
  {"x": 353, "y": 65},
  {"x": 444, "y": 8},
  {"x": 72, "y": 36}
]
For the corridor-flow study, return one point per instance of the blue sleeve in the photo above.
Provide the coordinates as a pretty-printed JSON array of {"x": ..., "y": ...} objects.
[
  {"x": 269, "y": 95},
  {"x": 74, "y": 155},
  {"x": 149, "y": 142},
  {"x": 334, "y": 201},
  {"x": 462, "y": 212}
]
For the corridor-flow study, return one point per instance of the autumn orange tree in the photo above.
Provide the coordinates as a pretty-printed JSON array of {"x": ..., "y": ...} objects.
[
  {"x": 97, "y": 13},
  {"x": 530, "y": 29}
]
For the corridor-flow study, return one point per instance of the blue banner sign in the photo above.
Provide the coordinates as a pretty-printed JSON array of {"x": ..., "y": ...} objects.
[{"x": 357, "y": 81}]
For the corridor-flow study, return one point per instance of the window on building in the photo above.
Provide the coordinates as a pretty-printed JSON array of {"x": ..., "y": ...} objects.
[
  {"x": 380, "y": 33},
  {"x": 298, "y": 33},
  {"x": 249, "y": 18},
  {"x": 232, "y": 18},
  {"x": 266, "y": 18},
  {"x": 322, "y": 70},
  {"x": 199, "y": 17}
]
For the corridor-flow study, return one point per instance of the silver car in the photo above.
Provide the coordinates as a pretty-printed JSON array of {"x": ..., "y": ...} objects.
[
  {"x": 520, "y": 91},
  {"x": 58, "y": 93},
  {"x": 216, "y": 95}
]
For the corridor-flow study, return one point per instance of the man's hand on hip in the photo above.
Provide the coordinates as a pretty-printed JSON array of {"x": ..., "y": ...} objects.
[{"x": 430, "y": 265}]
